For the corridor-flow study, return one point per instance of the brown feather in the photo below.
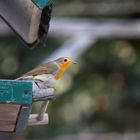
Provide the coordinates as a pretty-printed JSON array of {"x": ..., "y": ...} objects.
[{"x": 48, "y": 68}]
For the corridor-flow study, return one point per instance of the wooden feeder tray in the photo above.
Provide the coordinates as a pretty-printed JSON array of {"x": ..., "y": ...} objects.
[{"x": 16, "y": 99}]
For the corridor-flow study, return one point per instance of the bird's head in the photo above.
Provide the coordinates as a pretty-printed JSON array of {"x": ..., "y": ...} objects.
[{"x": 64, "y": 63}]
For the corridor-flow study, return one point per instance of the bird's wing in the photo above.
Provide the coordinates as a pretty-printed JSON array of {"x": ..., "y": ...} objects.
[
  {"x": 38, "y": 71},
  {"x": 48, "y": 68}
]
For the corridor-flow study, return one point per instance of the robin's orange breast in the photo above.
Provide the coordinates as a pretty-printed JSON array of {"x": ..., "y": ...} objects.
[
  {"x": 63, "y": 66},
  {"x": 60, "y": 73}
]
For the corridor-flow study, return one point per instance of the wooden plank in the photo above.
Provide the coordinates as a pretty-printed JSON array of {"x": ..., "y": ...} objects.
[
  {"x": 34, "y": 121},
  {"x": 7, "y": 107},
  {"x": 7, "y": 123},
  {"x": 9, "y": 128},
  {"x": 8, "y": 117},
  {"x": 43, "y": 109},
  {"x": 9, "y": 112},
  {"x": 26, "y": 22}
]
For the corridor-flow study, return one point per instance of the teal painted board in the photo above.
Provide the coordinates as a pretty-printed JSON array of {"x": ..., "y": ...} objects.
[
  {"x": 41, "y": 3},
  {"x": 16, "y": 92}
]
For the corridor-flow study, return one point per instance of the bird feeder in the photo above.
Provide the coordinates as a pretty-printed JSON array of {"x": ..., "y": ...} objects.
[
  {"x": 16, "y": 99},
  {"x": 28, "y": 18}
]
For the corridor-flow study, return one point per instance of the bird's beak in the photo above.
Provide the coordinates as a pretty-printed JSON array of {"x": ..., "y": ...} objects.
[{"x": 74, "y": 62}]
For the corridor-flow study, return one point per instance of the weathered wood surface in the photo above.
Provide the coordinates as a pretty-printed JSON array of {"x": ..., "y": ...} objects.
[
  {"x": 7, "y": 128},
  {"x": 43, "y": 109},
  {"x": 33, "y": 120},
  {"x": 23, "y": 16},
  {"x": 8, "y": 116},
  {"x": 40, "y": 118}
]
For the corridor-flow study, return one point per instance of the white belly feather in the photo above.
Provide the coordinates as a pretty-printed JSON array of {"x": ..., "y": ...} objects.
[{"x": 46, "y": 78}]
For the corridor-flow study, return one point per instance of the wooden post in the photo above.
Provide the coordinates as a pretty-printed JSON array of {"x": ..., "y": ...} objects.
[
  {"x": 42, "y": 110},
  {"x": 41, "y": 117}
]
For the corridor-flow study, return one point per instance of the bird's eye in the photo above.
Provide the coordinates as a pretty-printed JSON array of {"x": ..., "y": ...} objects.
[{"x": 65, "y": 60}]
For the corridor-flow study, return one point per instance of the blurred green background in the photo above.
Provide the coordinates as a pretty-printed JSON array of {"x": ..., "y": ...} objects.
[{"x": 99, "y": 94}]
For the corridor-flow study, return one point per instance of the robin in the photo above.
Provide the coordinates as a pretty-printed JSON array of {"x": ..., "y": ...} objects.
[{"x": 49, "y": 72}]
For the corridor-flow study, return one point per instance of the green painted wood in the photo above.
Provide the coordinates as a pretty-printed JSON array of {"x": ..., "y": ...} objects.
[
  {"x": 16, "y": 92},
  {"x": 41, "y": 3}
]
